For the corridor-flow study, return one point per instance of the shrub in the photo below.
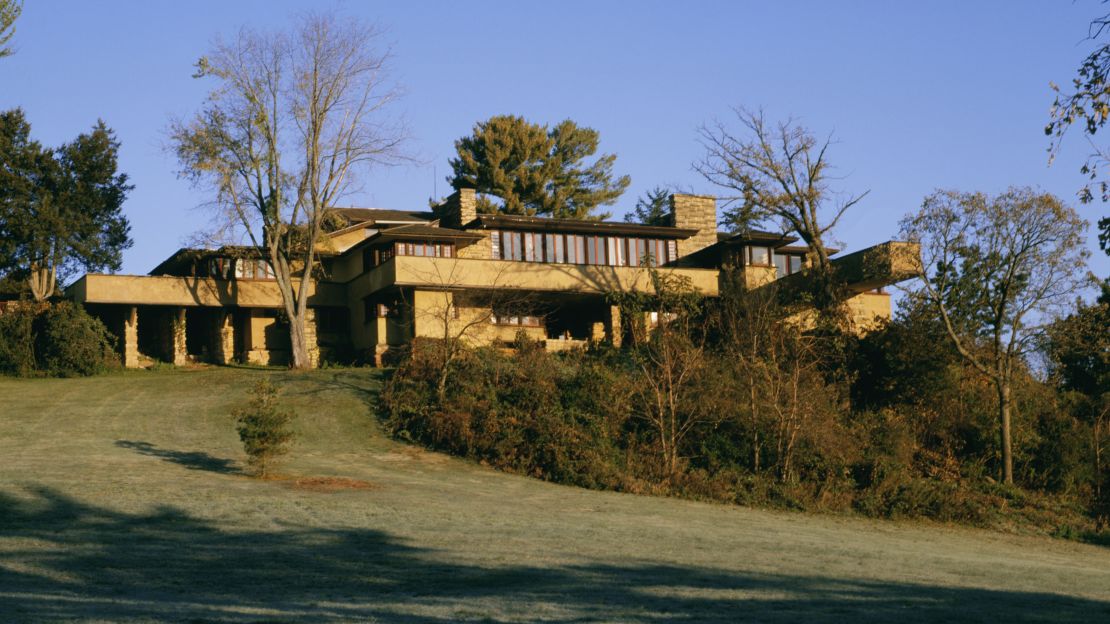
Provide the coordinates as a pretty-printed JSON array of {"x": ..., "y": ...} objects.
[
  {"x": 263, "y": 428},
  {"x": 71, "y": 343},
  {"x": 57, "y": 339},
  {"x": 17, "y": 341}
]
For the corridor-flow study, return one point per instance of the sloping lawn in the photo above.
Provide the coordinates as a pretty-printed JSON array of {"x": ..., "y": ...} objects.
[{"x": 121, "y": 499}]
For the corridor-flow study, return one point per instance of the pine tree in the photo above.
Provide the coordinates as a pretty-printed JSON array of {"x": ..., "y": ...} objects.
[
  {"x": 523, "y": 168},
  {"x": 263, "y": 427},
  {"x": 653, "y": 208}
]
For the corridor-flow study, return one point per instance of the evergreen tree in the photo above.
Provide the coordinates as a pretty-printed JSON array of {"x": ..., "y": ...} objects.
[
  {"x": 264, "y": 428},
  {"x": 9, "y": 11},
  {"x": 519, "y": 167},
  {"x": 653, "y": 208},
  {"x": 60, "y": 209}
]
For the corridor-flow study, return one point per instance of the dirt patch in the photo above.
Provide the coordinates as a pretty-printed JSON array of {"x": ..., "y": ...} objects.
[{"x": 329, "y": 484}]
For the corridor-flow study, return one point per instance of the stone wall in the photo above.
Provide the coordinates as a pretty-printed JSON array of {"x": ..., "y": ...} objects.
[
  {"x": 695, "y": 212},
  {"x": 460, "y": 208}
]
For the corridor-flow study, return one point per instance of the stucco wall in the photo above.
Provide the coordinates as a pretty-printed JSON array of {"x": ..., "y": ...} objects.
[{"x": 193, "y": 291}]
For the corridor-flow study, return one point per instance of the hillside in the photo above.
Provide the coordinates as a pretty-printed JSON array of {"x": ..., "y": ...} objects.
[{"x": 121, "y": 500}]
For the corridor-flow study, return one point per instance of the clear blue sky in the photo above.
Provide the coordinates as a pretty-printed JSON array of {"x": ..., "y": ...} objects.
[{"x": 921, "y": 95}]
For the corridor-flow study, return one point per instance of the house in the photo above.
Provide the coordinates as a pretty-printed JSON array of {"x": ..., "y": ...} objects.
[{"x": 388, "y": 276}]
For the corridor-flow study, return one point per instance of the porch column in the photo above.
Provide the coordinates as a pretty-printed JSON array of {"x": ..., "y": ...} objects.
[
  {"x": 130, "y": 337},
  {"x": 310, "y": 340},
  {"x": 613, "y": 326},
  {"x": 223, "y": 337},
  {"x": 173, "y": 336}
]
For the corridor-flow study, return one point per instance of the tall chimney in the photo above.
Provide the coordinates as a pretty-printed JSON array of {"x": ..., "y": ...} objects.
[
  {"x": 460, "y": 208},
  {"x": 695, "y": 212}
]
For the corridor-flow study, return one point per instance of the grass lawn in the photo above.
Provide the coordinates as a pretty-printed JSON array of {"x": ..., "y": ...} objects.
[{"x": 122, "y": 500}]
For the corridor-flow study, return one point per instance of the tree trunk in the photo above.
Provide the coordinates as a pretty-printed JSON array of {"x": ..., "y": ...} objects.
[
  {"x": 1005, "y": 404},
  {"x": 298, "y": 343},
  {"x": 42, "y": 282},
  {"x": 755, "y": 426}
]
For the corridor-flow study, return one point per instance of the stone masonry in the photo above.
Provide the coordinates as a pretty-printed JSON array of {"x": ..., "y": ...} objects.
[
  {"x": 130, "y": 346},
  {"x": 695, "y": 212},
  {"x": 223, "y": 337},
  {"x": 172, "y": 335},
  {"x": 459, "y": 209}
]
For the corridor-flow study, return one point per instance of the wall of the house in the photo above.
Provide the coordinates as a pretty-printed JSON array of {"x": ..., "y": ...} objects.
[
  {"x": 345, "y": 268},
  {"x": 869, "y": 310},
  {"x": 266, "y": 338},
  {"x": 433, "y": 309}
]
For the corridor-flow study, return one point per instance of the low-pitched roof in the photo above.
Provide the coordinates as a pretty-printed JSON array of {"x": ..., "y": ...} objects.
[
  {"x": 756, "y": 236},
  {"x": 577, "y": 226},
  {"x": 384, "y": 215}
]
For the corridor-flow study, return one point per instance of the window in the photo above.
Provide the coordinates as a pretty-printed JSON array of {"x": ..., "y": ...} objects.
[
  {"x": 595, "y": 250},
  {"x": 533, "y": 247},
  {"x": 426, "y": 250},
  {"x": 617, "y": 252},
  {"x": 512, "y": 246},
  {"x": 795, "y": 264},
  {"x": 516, "y": 320},
  {"x": 549, "y": 242},
  {"x": 576, "y": 249},
  {"x": 219, "y": 268},
  {"x": 782, "y": 268},
  {"x": 759, "y": 256}
]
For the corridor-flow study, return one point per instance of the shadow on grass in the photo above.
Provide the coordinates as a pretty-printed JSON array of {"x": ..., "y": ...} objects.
[
  {"x": 193, "y": 460},
  {"x": 365, "y": 383},
  {"x": 61, "y": 559}
]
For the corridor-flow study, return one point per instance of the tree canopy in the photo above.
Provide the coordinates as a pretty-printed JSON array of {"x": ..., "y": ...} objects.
[
  {"x": 9, "y": 11},
  {"x": 1088, "y": 105},
  {"x": 60, "y": 209},
  {"x": 519, "y": 167},
  {"x": 997, "y": 270},
  {"x": 293, "y": 120},
  {"x": 652, "y": 208},
  {"x": 778, "y": 172}
]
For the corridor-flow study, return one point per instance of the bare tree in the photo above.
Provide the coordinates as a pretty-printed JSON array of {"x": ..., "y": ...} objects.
[
  {"x": 673, "y": 363},
  {"x": 779, "y": 172},
  {"x": 997, "y": 270},
  {"x": 459, "y": 314},
  {"x": 293, "y": 120},
  {"x": 778, "y": 392}
]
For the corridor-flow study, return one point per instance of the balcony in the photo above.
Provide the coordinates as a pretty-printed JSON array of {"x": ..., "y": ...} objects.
[
  {"x": 452, "y": 273},
  {"x": 192, "y": 291},
  {"x": 865, "y": 270}
]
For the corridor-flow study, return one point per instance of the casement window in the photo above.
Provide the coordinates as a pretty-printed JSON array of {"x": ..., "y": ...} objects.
[
  {"x": 787, "y": 264},
  {"x": 375, "y": 257},
  {"x": 759, "y": 256},
  {"x": 595, "y": 250},
  {"x": 553, "y": 248},
  {"x": 580, "y": 249},
  {"x": 219, "y": 268},
  {"x": 782, "y": 267},
  {"x": 424, "y": 250},
  {"x": 516, "y": 320},
  {"x": 576, "y": 249},
  {"x": 512, "y": 246}
]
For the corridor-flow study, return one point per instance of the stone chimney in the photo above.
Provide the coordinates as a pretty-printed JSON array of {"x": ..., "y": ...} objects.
[
  {"x": 695, "y": 212},
  {"x": 459, "y": 209}
]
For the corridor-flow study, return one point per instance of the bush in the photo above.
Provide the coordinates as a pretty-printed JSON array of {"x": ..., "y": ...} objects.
[
  {"x": 70, "y": 343},
  {"x": 531, "y": 412},
  {"x": 263, "y": 428},
  {"x": 54, "y": 339},
  {"x": 17, "y": 341}
]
